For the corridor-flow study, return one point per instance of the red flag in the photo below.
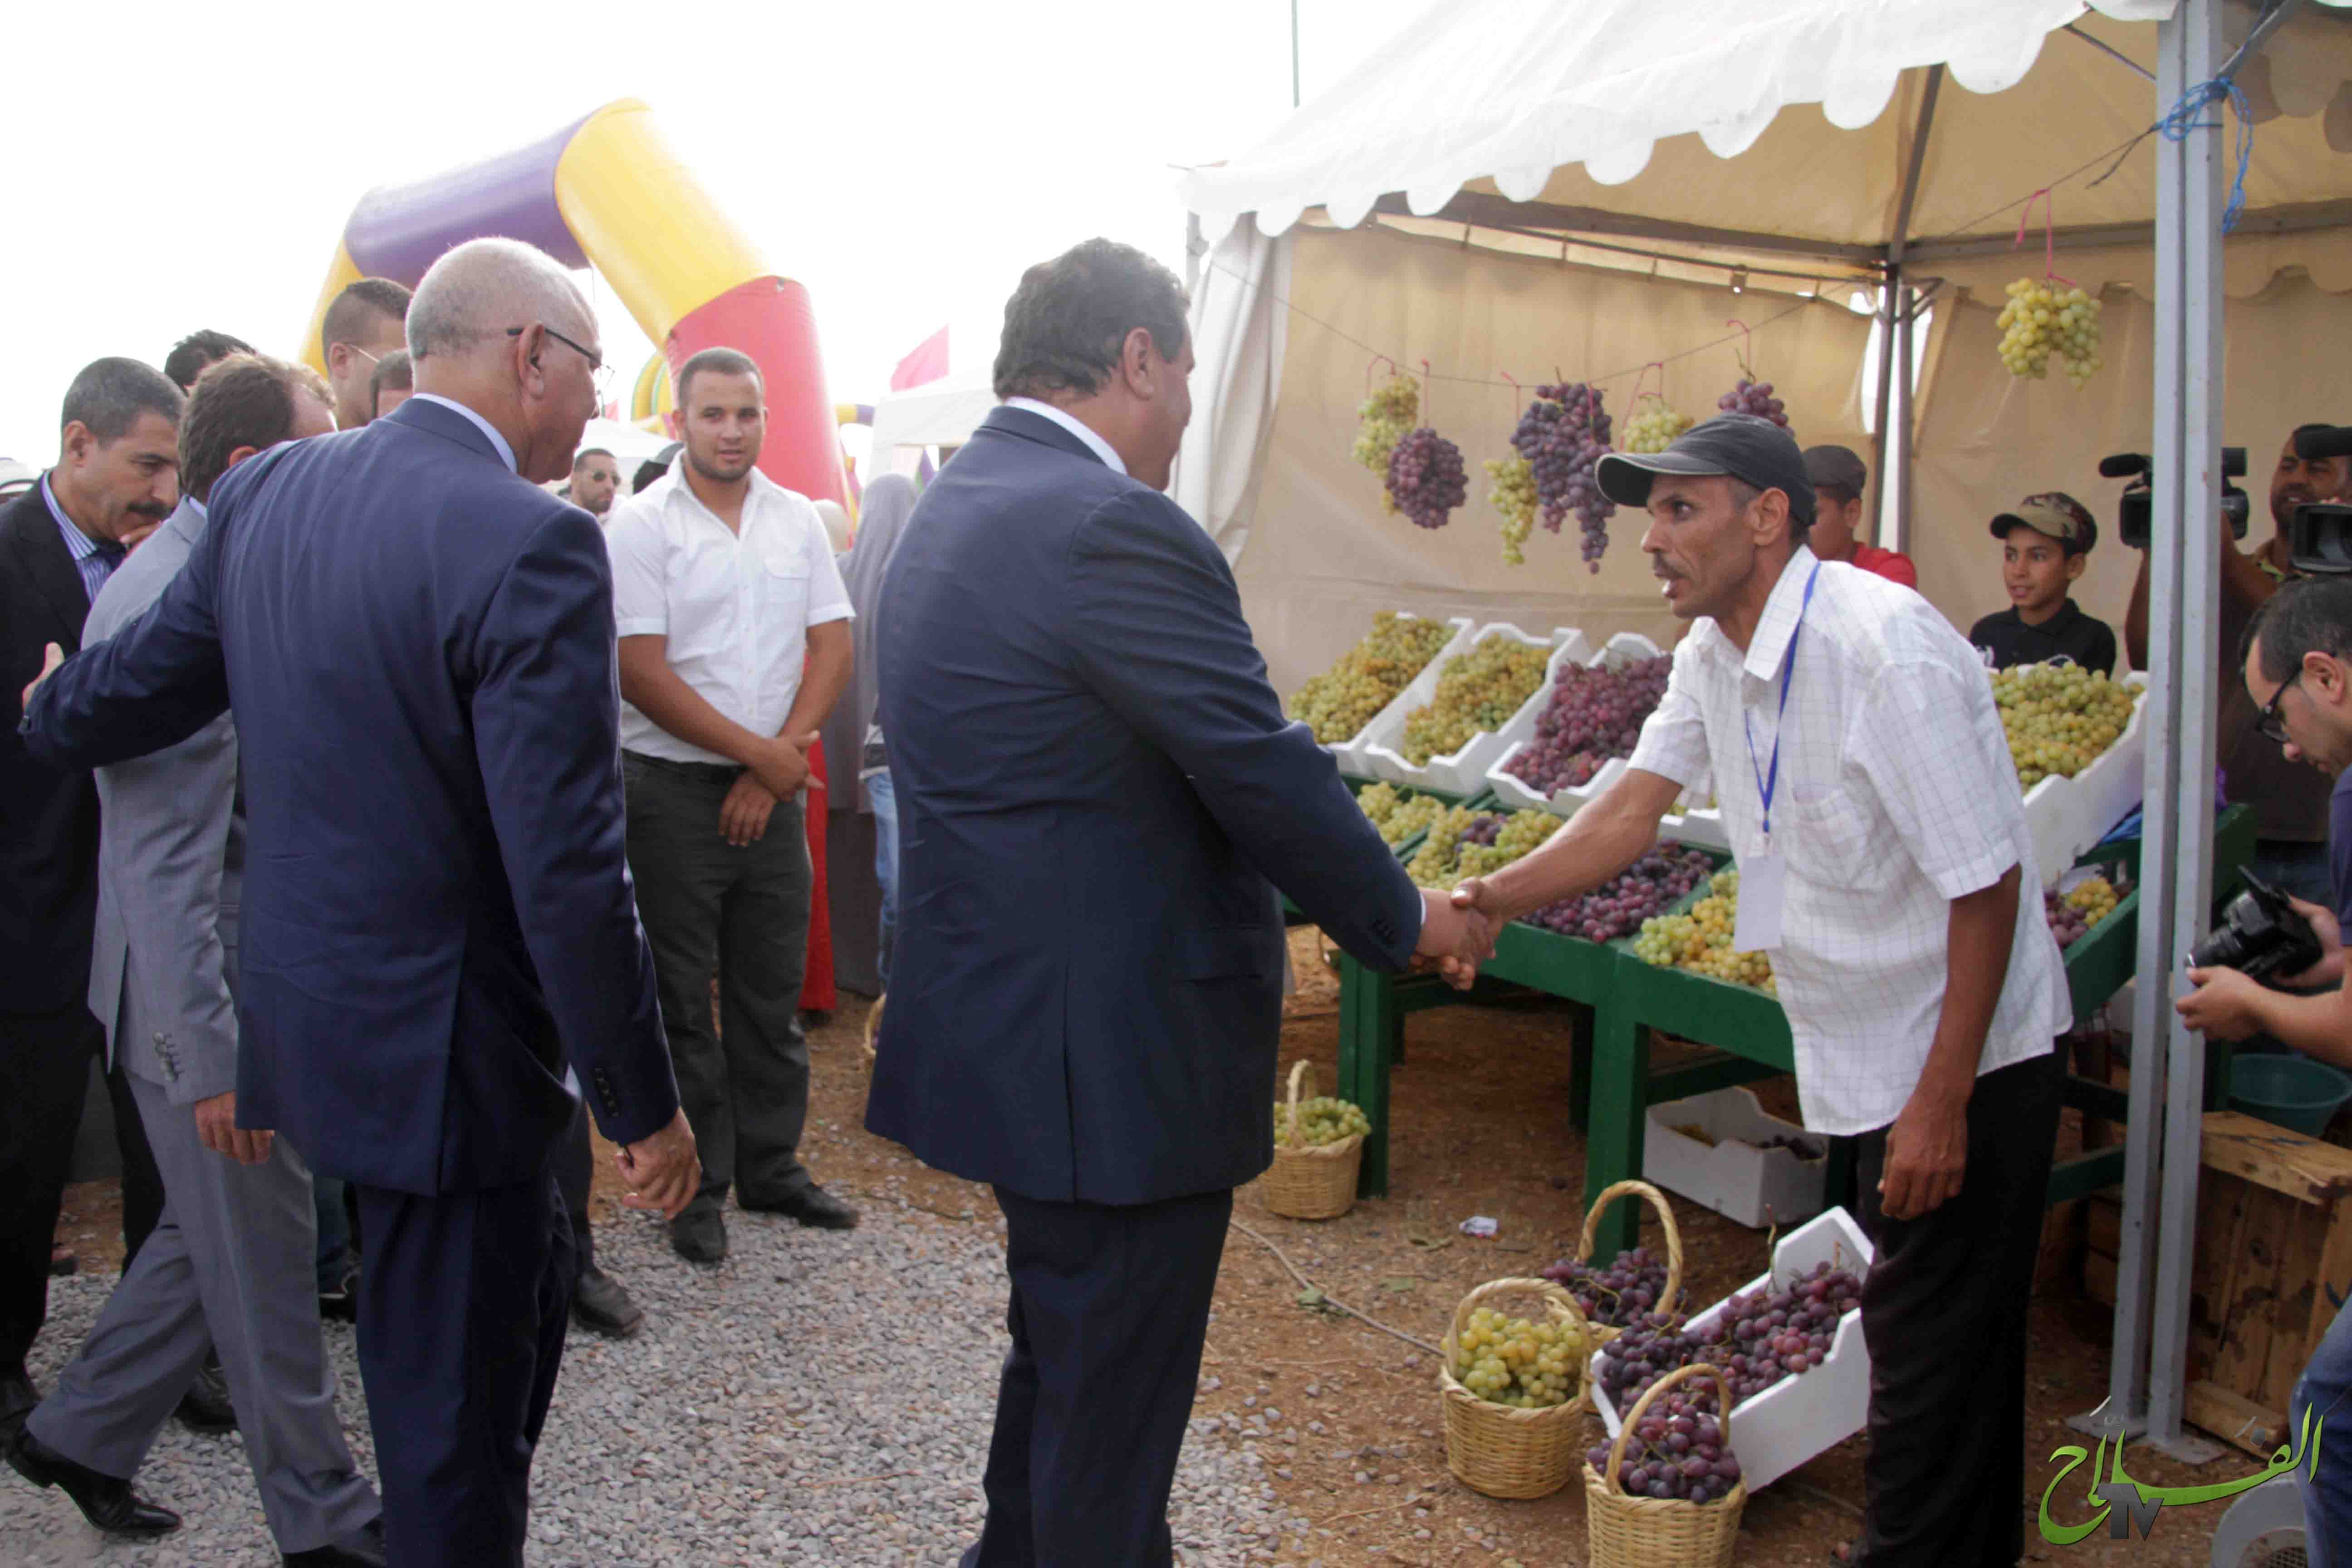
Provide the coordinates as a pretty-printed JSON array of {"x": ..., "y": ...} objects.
[{"x": 928, "y": 362}]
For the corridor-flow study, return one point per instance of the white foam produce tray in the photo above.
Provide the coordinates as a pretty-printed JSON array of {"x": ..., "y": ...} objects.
[
  {"x": 1624, "y": 648},
  {"x": 1738, "y": 1179},
  {"x": 1463, "y": 772},
  {"x": 1349, "y": 754},
  {"x": 1777, "y": 1430},
  {"x": 2067, "y": 817}
]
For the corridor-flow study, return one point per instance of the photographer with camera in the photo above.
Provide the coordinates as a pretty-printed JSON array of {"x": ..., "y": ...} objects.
[
  {"x": 2290, "y": 800},
  {"x": 2296, "y": 668}
]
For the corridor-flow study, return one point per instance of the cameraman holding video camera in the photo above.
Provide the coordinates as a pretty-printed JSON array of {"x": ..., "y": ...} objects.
[
  {"x": 2290, "y": 802},
  {"x": 2296, "y": 663}
]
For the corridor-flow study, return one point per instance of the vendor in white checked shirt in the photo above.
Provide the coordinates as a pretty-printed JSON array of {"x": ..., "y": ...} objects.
[{"x": 1875, "y": 816}]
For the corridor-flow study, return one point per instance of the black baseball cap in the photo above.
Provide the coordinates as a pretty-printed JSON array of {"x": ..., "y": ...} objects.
[{"x": 1751, "y": 449}]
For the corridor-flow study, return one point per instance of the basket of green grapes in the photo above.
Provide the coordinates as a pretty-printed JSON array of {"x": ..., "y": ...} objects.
[
  {"x": 1318, "y": 1147},
  {"x": 1513, "y": 1389}
]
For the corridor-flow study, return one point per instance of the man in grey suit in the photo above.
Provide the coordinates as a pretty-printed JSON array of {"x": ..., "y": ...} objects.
[{"x": 230, "y": 1261}]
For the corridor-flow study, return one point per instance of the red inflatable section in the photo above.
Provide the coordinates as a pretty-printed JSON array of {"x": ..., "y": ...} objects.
[{"x": 770, "y": 319}]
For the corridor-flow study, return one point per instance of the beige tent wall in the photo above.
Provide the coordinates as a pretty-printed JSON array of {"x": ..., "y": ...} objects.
[
  {"x": 1989, "y": 439},
  {"x": 1323, "y": 557}
]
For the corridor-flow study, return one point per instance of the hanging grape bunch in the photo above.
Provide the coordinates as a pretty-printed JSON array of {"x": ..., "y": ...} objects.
[
  {"x": 1562, "y": 434},
  {"x": 2038, "y": 319},
  {"x": 1513, "y": 491},
  {"x": 1755, "y": 397},
  {"x": 1654, "y": 424},
  {"x": 1426, "y": 480},
  {"x": 1385, "y": 416}
]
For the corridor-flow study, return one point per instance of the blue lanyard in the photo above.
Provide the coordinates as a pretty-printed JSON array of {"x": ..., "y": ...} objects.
[{"x": 1766, "y": 782}]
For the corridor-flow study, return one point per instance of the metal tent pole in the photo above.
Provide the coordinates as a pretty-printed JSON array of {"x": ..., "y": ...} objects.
[
  {"x": 1893, "y": 457},
  {"x": 2194, "y": 473},
  {"x": 1904, "y": 425}
]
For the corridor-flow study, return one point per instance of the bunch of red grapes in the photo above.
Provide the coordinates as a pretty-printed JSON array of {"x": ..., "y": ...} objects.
[
  {"x": 1754, "y": 397},
  {"x": 1426, "y": 479},
  {"x": 1648, "y": 886},
  {"x": 1797, "y": 1146},
  {"x": 1595, "y": 713},
  {"x": 1757, "y": 1341},
  {"x": 1623, "y": 1292},
  {"x": 1562, "y": 434},
  {"x": 1679, "y": 1450}
]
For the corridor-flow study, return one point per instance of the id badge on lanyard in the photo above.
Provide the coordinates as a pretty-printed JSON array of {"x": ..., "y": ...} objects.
[{"x": 1764, "y": 879}]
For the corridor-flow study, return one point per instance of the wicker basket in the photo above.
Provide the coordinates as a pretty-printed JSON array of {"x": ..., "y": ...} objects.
[
  {"x": 1602, "y": 1332},
  {"x": 1501, "y": 1450},
  {"x": 1311, "y": 1184},
  {"x": 1626, "y": 1532}
]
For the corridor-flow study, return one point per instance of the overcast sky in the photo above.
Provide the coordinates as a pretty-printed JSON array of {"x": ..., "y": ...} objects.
[{"x": 174, "y": 167}]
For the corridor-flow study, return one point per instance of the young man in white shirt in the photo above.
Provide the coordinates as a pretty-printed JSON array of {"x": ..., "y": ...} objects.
[
  {"x": 724, "y": 588},
  {"x": 1868, "y": 793}
]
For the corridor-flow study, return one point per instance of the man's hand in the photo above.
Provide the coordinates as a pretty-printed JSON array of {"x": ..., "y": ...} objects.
[
  {"x": 2329, "y": 970},
  {"x": 217, "y": 1130},
  {"x": 663, "y": 1171},
  {"x": 783, "y": 767},
  {"x": 743, "y": 815},
  {"x": 2224, "y": 1005},
  {"x": 1456, "y": 938},
  {"x": 1926, "y": 1157},
  {"x": 53, "y": 657},
  {"x": 132, "y": 538}
]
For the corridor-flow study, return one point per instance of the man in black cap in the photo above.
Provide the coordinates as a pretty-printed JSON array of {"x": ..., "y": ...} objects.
[
  {"x": 2044, "y": 545},
  {"x": 1840, "y": 481},
  {"x": 1885, "y": 863}
]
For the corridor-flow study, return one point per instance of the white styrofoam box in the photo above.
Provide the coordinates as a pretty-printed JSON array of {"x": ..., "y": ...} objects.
[
  {"x": 1624, "y": 648},
  {"x": 1748, "y": 1185},
  {"x": 1349, "y": 754},
  {"x": 1463, "y": 772},
  {"x": 1777, "y": 1430},
  {"x": 2068, "y": 817}
]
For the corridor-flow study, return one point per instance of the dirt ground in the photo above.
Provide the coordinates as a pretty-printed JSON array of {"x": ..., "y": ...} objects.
[{"x": 1480, "y": 1121}]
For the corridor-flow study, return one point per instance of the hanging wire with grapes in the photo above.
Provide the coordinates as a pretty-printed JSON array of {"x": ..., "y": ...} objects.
[
  {"x": 1383, "y": 417},
  {"x": 1752, "y": 395},
  {"x": 1562, "y": 434},
  {"x": 2048, "y": 313},
  {"x": 1654, "y": 423}
]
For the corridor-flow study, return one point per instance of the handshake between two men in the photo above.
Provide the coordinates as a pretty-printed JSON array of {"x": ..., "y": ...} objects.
[{"x": 1457, "y": 932}]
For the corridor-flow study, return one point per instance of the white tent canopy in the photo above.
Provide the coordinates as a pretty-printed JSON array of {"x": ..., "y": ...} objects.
[{"x": 942, "y": 414}]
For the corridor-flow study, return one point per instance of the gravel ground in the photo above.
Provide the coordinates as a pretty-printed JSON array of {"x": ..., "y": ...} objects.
[{"x": 818, "y": 1398}]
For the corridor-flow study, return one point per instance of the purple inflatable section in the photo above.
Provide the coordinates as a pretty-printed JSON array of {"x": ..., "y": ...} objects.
[{"x": 398, "y": 231}]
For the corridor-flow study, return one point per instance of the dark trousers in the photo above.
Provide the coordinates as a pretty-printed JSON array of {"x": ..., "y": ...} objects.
[
  {"x": 463, "y": 1300},
  {"x": 575, "y": 1174},
  {"x": 1109, "y": 1310},
  {"x": 47, "y": 1057},
  {"x": 709, "y": 904},
  {"x": 143, "y": 1182},
  {"x": 1944, "y": 1311}
]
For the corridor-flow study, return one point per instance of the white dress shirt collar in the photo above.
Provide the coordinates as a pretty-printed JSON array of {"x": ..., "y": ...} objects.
[
  {"x": 498, "y": 442},
  {"x": 1782, "y": 610},
  {"x": 1094, "y": 444}
]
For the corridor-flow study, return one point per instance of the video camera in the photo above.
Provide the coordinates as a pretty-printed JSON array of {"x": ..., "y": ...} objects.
[
  {"x": 2132, "y": 514},
  {"x": 2261, "y": 935},
  {"x": 2319, "y": 536}
]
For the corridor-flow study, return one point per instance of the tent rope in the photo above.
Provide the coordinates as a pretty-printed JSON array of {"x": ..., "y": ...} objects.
[{"x": 2182, "y": 118}]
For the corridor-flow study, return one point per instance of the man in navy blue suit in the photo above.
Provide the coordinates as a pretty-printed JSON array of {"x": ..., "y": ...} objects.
[
  {"x": 1098, "y": 795},
  {"x": 417, "y": 642}
]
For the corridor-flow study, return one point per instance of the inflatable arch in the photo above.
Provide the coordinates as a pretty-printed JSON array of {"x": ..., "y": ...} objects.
[{"x": 607, "y": 191}]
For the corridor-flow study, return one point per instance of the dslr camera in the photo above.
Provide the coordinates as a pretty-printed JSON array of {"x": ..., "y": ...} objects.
[
  {"x": 2261, "y": 935},
  {"x": 2132, "y": 512},
  {"x": 2319, "y": 536}
]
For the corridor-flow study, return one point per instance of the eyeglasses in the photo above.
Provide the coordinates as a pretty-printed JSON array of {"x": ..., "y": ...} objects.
[
  {"x": 362, "y": 353},
  {"x": 597, "y": 369},
  {"x": 2268, "y": 723}
]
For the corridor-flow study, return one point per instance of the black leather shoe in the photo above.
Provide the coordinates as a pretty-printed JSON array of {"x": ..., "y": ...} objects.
[
  {"x": 599, "y": 1303},
  {"x": 107, "y": 1501},
  {"x": 205, "y": 1408},
  {"x": 362, "y": 1548},
  {"x": 342, "y": 1304},
  {"x": 699, "y": 1237},
  {"x": 812, "y": 1205},
  {"x": 18, "y": 1397}
]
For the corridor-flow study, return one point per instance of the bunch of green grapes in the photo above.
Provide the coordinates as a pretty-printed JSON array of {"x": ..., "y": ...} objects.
[
  {"x": 1384, "y": 417},
  {"x": 1522, "y": 833},
  {"x": 1654, "y": 425},
  {"x": 1515, "y": 1362},
  {"x": 2096, "y": 897},
  {"x": 1397, "y": 814},
  {"x": 1514, "y": 495},
  {"x": 1699, "y": 940},
  {"x": 2058, "y": 717},
  {"x": 1321, "y": 1121},
  {"x": 1433, "y": 864},
  {"x": 1339, "y": 703},
  {"x": 1477, "y": 690},
  {"x": 2039, "y": 318}
]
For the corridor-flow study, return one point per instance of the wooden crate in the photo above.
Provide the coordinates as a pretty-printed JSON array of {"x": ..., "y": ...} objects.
[{"x": 2274, "y": 1232}]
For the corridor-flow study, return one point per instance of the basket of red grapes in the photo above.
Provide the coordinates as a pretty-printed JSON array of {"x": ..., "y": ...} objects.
[
  {"x": 1667, "y": 1493},
  {"x": 1634, "y": 1288}
]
